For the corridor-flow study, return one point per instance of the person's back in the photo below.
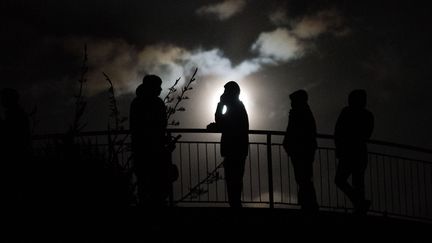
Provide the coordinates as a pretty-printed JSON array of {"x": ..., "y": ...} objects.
[
  {"x": 353, "y": 127},
  {"x": 300, "y": 136},
  {"x": 16, "y": 142},
  {"x": 16, "y": 124},
  {"x": 148, "y": 124}
]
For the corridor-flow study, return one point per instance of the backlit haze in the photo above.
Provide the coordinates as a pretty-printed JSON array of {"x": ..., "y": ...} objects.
[{"x": 271, "y": 48}]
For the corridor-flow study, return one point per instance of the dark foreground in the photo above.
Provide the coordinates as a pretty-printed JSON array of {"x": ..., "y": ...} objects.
[{"x": 206, "y": 225}]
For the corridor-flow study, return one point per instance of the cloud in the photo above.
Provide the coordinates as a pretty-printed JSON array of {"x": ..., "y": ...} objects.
[
  {"x": 214, "y": 63},
  {"x": 279, "y": 17},
  {"x": 293, "y": 38},
  {"x": 126, "y": 65},
  {"x": 312, "y": 25},
  {"x": 223, "y": 10},
  {"x": 280, "y": 45},
  {"x": 325, "y": 21}
]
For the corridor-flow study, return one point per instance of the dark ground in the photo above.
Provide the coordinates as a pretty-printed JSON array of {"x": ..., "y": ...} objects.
[{"x": 207, "y": 225}]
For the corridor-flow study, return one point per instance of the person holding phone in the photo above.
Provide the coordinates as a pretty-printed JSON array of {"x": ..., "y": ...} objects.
[{"x": 233, "y": 123}]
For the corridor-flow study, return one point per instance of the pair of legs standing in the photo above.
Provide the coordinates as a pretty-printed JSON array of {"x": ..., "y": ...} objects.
[
  {"x": 234, "y": 170},
  {"x": 355, "y": 166},
  {"x": 303, "y": 172}
]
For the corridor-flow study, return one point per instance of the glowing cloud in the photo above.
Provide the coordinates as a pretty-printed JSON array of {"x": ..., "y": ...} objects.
[
  {"x": 293, "y": 38},
  {"x": 279, "y": 45},
  {"x": 311, "y": 26},
  {"x": 126, "y": 65},
  {"x": 223, "y": 10}
]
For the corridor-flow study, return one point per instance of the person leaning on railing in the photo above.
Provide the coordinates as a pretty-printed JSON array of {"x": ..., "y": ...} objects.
[{"x": 353, "y": 128}]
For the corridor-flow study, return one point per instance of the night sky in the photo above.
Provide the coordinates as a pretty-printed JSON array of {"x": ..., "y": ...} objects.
[{"x": 271, "y": 48}]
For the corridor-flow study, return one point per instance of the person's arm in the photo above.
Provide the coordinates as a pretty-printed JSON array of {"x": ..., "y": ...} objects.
[
  {"x": 218, "y": 113},
  {"x": 370, "y": 125},
  {"x": 285, "y": 143},
  {"x": 338, "y": 132},
  {"x": 219, "y": 117}
]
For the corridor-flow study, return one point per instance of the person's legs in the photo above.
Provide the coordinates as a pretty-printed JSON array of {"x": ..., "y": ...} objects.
[
  {"x": 234, "y": 170},
  {"x": 303, "y": 171},
  {"x": 362, "y": 205},
  {"x": 151, "y": 180},
  {"x": 343, "y": 171}
]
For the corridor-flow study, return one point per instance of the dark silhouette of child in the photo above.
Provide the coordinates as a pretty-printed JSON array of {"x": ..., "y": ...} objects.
[
  {"x": 234, "y": 125},
  {"x": 300, "y": 144},
  {"x": 148, "y": 123},
  {"x": 353, "y": 128},
  {"x": 16, "y": 144}
]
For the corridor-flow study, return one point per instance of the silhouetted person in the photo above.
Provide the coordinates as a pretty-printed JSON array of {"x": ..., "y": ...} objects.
[
  {"x": 16, "y": 144},
  {"x": 300, "y": 144},
  {"x": 234, "y": 125},
  {"x": 148, "y": 122},
  {"x": 353, "y": 128}
]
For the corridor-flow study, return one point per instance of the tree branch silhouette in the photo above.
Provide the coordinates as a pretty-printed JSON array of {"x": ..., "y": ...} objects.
[
  {"x": 80, "y": 103},
  {"x": 172, "y": 110},
  {"x": 114, "y": 141},
  {"x": 195, "y": 191}
]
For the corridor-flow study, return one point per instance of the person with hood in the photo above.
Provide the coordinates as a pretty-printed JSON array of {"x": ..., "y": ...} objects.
[
  {"x": 148, "y": 123},
  {"x": 300, "y": 144},
  {"x": 353, "y": 128}
]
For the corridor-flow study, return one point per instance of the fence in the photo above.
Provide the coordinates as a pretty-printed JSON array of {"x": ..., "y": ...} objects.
[{"x": 398, "y": 178}]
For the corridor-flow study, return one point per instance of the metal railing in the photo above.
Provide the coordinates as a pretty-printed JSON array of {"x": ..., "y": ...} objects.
[{"x": 398, "y": 178}]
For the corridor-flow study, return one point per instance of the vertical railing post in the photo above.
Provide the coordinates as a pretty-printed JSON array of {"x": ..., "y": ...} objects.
[{"x": 270, "y": 170}]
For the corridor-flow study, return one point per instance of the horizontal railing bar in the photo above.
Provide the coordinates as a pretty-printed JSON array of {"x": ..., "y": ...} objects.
[
  {"x": 253, "y": 132},
  {"x": 411, "y": 198},
  {"x": 215, "y": 142},
  {"x": 400, "y": 157}
]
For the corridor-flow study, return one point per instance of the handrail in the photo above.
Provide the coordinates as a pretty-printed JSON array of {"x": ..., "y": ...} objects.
[
  {"x": 394, "y": 183},
  {"x": 254, "y": 132}
]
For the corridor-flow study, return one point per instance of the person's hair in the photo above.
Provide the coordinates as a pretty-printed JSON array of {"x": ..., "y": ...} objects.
[
  {"x": 299, "y": 96},
  {"x": 232, "y": 87},
  {"x": 357, "y": 98},
  {"x": 152, "y": 81},
  {"x": 151, "y": 85},
  {"x": 140, "y": 90}
]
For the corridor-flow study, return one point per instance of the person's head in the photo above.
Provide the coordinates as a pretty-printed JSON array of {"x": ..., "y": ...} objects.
[
  {"x": 299, "y": 98},
  {"x": 232, "y": 91},
  {"x": 357, "y": 98},
  {"x": 150, "y": 86},
  {"x": 9, "y": 98}
]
